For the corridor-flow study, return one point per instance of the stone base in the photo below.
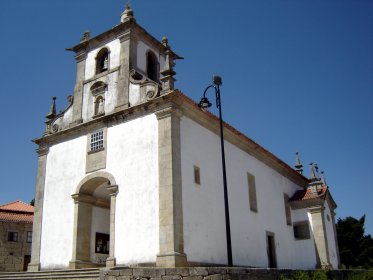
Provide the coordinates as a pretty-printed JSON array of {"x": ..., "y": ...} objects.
[
  {"x": 121, "y": 107},
  {"x": 172, "y": 260},
  {"x": 33, "y": 267},
  {"x": 82, "y": 264},
  {"x": 111, "y": 262}
]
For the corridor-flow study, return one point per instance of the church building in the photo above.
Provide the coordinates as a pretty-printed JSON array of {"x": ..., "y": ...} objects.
[{"x": 122, "y": 180}]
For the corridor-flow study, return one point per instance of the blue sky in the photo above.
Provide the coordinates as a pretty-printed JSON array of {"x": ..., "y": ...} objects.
[{"x": 297, "y": 76}]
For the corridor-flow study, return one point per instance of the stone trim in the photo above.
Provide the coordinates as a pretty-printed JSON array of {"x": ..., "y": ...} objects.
[
  {"x": 96, "y": 160},
  {"x": 78, "y": 89},
  {"x": 34, "y": 265},
  {"x": 320, "y": 237},
  {"x": 113, "y": 191},
  {"x": 171, "y": 234}
]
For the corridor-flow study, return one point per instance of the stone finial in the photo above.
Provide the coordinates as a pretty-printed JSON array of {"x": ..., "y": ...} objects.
[
  {"x": 298, "y": 166},
  {"x": 52, "y": 111},
  {"x": 312, "y": 173},
  {"x": 127, "y": 14},
  {"x": 317, "y": 172},
  {"x": 86, "y": 36},
  {"x": 323, "y": 180},
  {"x": 165, "y": 42}
]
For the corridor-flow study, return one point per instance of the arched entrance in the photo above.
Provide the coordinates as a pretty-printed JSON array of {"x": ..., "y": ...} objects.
[{"x": 94, "y": 221}]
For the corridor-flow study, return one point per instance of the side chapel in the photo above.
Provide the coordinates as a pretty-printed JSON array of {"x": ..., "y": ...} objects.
[{"x": 122, "y": 181}]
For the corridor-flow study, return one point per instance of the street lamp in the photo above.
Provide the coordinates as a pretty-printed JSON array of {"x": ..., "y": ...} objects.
[{"x": 204, "y": 104}]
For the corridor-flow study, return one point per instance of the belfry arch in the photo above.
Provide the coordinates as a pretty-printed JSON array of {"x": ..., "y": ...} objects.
[{"x": 94, "y": 221}]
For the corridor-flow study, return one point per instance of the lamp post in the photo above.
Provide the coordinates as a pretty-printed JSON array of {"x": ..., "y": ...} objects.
[{"x": 204, "y": 104}]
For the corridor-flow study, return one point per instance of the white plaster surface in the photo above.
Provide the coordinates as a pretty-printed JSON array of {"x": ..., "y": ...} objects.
[
  {"x": 110, "y": 96},
  {"x": 114, "y": 61},
  {"x": 62, "y": 178},
  {"x": 132, "y": 151},
  {"x": 134, "y": 94},
  {"x": 203, "y": 206},
  {"x": 142, "y": 48}
]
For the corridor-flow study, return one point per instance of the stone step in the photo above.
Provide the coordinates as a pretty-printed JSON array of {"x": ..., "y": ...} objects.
[{"x": 71, "y": 274}]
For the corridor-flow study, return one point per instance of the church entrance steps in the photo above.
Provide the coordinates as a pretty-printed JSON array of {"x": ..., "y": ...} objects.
[{"x": 71, "y": 274}]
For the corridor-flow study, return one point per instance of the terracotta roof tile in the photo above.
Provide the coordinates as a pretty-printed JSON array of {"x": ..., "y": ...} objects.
[
  {"x": 18, "y": 206},
  {"x": 17, "y": 211},
  {"x": 308, "y": 194}
]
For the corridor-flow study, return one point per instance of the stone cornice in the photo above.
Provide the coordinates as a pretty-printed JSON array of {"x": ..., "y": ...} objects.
[
  {"x": 120, "y": 31},
  {"x": 189, "y": 108}
]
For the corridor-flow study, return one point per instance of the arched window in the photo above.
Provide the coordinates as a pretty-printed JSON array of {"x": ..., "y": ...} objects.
[
  {"x": 152, "y": 66},
  {"x": 102, "y": 61}
]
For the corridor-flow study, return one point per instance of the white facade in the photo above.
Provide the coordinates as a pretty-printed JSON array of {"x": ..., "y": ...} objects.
[{"x": 117, "y": 184}]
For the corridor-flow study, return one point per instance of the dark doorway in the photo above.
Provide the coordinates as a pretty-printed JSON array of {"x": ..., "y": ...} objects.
[
  {"x": 26, "y": 261},
  {"x": 271, "y": 250}
]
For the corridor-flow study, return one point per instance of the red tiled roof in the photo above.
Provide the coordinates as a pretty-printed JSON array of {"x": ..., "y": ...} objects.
[
  {"x": 309, "y": 194},
  {"x": 18, "y": 206},
  {"x": 17, "y": 211}
]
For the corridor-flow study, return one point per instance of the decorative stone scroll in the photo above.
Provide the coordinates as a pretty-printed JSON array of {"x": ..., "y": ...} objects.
[
  {"x": 148, "y": 89},
  {"x": 56, "y": 124}
]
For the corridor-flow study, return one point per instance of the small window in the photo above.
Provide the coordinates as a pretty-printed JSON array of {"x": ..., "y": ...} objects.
[
  {"x": 102, "y": 61},
  {"x": 97, "y": 140},
  {"x": 301, "y": 230},
  {"x": 13, "y": 236},
  {"x": 287, "y": 209},
  {"x": 102, "y": 243},
  {"x": 29, "y": 237},
  {"x": 252, "y": 192},
  {"x": 152, "y": 66},
  {"x": 197, "y": 176}
]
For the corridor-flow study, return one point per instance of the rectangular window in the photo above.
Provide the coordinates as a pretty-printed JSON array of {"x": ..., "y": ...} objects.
[
  {"x": 102, "y": 243},
  {"x": 287, "y": 209},
  {"x": 29, "y": 237},
  {"x": 252, "y": 192},
  {"x": 97, "y": 140},
  {"x": 197, "y": 175},
  {"x": 301, "y": 230},
  {"x": 13, "y": 236}
]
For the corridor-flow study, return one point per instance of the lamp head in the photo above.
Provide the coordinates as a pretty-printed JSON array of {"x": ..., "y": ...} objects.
[
  {"x": 204, "y": 103},
  {"x": 217, "y": 80}
]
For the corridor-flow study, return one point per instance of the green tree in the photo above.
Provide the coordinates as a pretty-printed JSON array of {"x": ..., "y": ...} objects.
[{"x": 355, "y": 248}]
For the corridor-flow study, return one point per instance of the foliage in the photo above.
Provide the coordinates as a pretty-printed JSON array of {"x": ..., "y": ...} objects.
[
  {"x": 355, "y": 248},
  {"x": 303, "y": 275},
  {"x": 361, "y": 276}
]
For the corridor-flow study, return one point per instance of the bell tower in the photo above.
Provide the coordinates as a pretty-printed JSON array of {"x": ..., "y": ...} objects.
[{"x": 120, "y": 68}]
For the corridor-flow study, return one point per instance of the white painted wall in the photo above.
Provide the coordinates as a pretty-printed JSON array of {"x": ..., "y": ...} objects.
[
  {"x": 110, "y": 96},
  {"x": 62, "y": 178},
  {"x": 132, "y": 158},
  {"x": 142, "y": 48},
  {"x": 203, "y": 206},
  {"x": 114, "y": 49}
]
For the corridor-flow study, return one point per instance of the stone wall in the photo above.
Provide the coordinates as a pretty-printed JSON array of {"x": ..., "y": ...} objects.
[
  {"x": 12, "y": 254},
  {"x": 215, "y": 273}
]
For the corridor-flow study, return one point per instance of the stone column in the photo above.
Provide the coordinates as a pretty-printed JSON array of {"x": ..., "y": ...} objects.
[
  {"x": 81, "y": 253},
  {"x": 34, "y": 265},
  {"x": 319, "y": 233},
  {"x": 78, "y": 89},
  {"x": 113, "y": 191},
  {"x": 123, "y": 79},
  {"x": 335, "y": 238},
  {"x": 171, "y": 235}
]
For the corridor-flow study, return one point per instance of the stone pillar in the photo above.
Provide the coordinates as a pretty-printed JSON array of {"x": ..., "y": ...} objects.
[
  {"x": 171, "y": 235},
  {"x": 319, "y": 233},
  {"x": 78, "y": 89},
  {"x": 113, "y": 191},
  {"x": 81, "y": 253},
  {"x": 123, "y": 79},
  {"x": 34, "y": 265},
  {"x": 335, "y": 239}
]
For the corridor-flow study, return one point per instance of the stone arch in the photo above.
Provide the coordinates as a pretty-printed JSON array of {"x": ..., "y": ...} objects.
[
  {"x": 102, "y": 60},
  {"x": 94, "y": 221},
  {"x": 152, "y": 67}
]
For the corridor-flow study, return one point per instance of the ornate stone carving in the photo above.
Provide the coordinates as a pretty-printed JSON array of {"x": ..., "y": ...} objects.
[
  {"x": 148, "y": 89},
  {"x": 54, "y": 125}
]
